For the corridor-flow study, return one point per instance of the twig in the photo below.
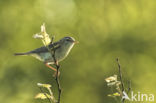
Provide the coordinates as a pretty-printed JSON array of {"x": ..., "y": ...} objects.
[
  {"x": 120, "y": 75},
  {"x": 57, "y": 72},
  {"x": 129, "y": 87},
  {"x": 46, "y": 41},
  {"x": 58, "y": 83},
  {"x": 55, "y": 63}
]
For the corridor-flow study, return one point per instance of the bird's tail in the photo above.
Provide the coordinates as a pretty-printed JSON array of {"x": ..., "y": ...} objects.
[{"x": 18, "y": 54}]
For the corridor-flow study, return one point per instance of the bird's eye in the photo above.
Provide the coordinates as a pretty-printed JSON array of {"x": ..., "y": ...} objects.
[{"x": 68, "y": 40}]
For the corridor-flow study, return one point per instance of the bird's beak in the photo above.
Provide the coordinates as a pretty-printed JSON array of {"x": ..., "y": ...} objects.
[{"x": 75, "y": 42}]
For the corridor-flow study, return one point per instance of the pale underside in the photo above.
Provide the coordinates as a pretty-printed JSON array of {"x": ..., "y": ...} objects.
[{"x": 60, "y": 54}]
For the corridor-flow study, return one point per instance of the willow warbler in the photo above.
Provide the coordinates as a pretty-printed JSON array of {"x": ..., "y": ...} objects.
[{"x": 61, "y": 47}]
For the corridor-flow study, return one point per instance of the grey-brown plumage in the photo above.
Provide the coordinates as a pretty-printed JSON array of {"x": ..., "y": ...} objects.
[
  {"x": 42, "y": 49},
  {"x": 62, "y": 49}
]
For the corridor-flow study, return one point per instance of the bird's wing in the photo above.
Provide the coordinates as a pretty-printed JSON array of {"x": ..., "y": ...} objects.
[{"x": 43, "y": 49}]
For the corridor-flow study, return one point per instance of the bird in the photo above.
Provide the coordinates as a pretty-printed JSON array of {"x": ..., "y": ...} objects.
[{"x": 44, "y": 54}]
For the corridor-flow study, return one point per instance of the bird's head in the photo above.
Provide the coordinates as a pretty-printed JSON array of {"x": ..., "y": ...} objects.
[{"x": 68, "y": 41}]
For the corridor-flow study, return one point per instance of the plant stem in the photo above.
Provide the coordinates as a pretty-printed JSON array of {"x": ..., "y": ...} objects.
[
  {"x": 120, "y": 75},
  {"x": 57, "y": 73},
  {"x": 58, "y": 83}
]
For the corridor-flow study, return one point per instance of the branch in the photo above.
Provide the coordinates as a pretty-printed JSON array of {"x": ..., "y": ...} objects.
[
  {"x": 120, "y": 75},
  {"x": 119, "y": 85},
  {"x": 129, "y": 86},
  {"x": 46, "y": 41},
  {"x": 57, "y": 72}
]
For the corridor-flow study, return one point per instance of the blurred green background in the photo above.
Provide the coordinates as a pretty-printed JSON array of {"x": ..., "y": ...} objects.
[{"x": 106, "y": 29}]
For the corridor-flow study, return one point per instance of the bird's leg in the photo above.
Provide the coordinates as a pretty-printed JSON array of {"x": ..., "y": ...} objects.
[{"x": 52, "y": 69}]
